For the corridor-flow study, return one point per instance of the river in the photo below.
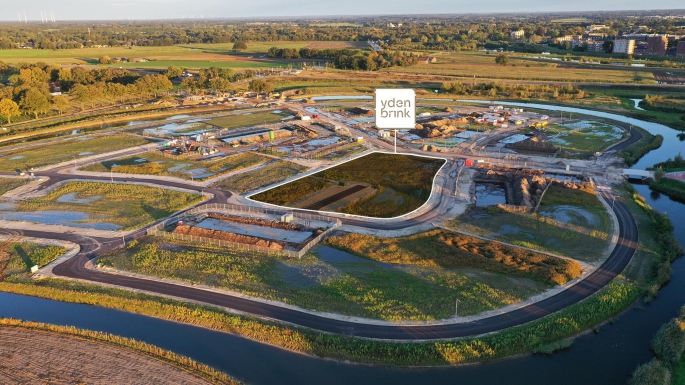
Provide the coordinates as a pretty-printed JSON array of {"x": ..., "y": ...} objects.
[{"x": 606, "y": 357}]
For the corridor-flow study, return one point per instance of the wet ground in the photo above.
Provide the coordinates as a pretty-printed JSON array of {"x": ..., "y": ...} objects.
[{"x": 490, "y": 194}]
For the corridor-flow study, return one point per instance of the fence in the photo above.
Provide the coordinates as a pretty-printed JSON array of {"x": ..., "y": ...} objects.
[{"x": 158, "y": 229}]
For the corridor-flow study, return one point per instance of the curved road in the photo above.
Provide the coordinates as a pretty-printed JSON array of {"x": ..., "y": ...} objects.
[{"x": 92, "y": 247}]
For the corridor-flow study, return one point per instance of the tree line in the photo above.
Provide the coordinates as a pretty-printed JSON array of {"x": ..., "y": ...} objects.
[{"x": 38, "y": 88}]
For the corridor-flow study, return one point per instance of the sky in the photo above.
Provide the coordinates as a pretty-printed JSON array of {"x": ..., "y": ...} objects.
[{"x": 169, "y": 9}]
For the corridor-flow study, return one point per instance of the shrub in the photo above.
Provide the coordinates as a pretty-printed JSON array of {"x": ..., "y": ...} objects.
[{"x": 651, "y": 373}]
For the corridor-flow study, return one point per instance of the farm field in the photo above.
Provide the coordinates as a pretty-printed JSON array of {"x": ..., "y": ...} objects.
[
  {"x": 331, "y": 280},
  {"x": 100, "y": 205},
  {"x": 248, "y": 119},
  {"x": 156, "y": 163},
  {"x": 273, "y": 172},
  {"x": 65, "y": 150},
  {"x": 572, "y": 223},
  {"x": 191, "y": 56},
  {"x": 484, "y": 66},
  {"x": 402, "y": 183},
  {"x": 584, "y": 137}
]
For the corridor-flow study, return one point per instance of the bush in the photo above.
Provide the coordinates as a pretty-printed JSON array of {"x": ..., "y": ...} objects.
[
  {"x": 669, "y": 342},
  {"x": 651, "y": 373}
]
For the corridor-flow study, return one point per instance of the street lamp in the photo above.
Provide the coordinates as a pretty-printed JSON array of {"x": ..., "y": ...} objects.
[
  {"x": 111, "y": 168},
  {"x": 456, "y": 308}
]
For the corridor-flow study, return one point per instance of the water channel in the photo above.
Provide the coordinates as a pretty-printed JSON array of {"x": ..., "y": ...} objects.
[{"x": 606, "y": 357}]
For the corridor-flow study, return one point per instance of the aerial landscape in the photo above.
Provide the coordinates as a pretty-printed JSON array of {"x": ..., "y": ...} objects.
[{"x": 276, "y": 194}]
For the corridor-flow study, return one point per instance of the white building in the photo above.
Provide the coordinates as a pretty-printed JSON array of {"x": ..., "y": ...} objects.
[
  {"x": 518, "y": 34},
  {"x": 625, "y": 46}
]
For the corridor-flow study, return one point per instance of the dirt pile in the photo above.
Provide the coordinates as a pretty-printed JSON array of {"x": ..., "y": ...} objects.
[
  {"x": 439, "y": 128},
  {"x": 256, "y": 221},
  {"x": 227, "y": 236},
  {"x": 537, "y": 143}
]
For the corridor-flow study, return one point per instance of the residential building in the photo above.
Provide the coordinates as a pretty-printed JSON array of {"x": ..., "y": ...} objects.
[
  {"x": 518, "y": 34},
  {"x": 680, "y": 50},
  {"x": 624, "y": 46},
  {"x": 657, "y": 45},
  {"x": 594, "y": 46}
]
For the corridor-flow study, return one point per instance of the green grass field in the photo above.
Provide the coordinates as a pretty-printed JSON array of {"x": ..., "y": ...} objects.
[
  {"x": 330, "y": 280},
  {"x": 68, "y": 149},
  {"x": 483, "y": 66},
  {"x": 403, "y": 184},
  {"x": 271, "y": 173},
  {"x": 156, "y": 163},
  {"x": 126, "y": 205},
  {"x": 572, "y": 223},
  {"x": 247, "y": 119}
]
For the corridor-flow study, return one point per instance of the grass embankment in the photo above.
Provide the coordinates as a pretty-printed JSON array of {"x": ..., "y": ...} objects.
[
  {"x": 637, "y": 150},
  {"x": 584, "y": 235},
  {"x": 403, "y": 184},
  {"x": 271, "y": 173},
  {"x": 568, "y": 322},
  {"x": 245, "y": 120},
  {"x": 156, "y": 163},
  {"x": 68, "y": 149},
  {"x": 292, "y": 191},
  {"x": 9, "y": 184},
  {"x": 443, "y": 248},
  {"x": 110, "y": 340},
  {"x": 671, "y": 187},
  {"x": 128, "y": 206},
  {"x": 331, "y": 281}
]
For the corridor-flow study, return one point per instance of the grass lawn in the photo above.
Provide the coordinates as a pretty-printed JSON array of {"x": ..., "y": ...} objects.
[
  {"x": 24, "y": 255},
  {"x": 403, "y": 184},
  {"x": 244, "y": 120},
  {"x": 271, "y": 173},
  {"x": 331, "y": 280},
  {"x": 584, "y": 136},
  {"x": 572, "y": 223},
  {"x": 126, "y": 206},
  {"x": 155, "y": 163},
  {"x": 9, "y": 184},
  {"x": 68, "y": 149}
]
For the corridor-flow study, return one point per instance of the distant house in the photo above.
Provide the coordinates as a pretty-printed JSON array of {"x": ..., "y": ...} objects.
[
  {"x": 55, "y": 89},
  {"x": 427, "y": 59}
]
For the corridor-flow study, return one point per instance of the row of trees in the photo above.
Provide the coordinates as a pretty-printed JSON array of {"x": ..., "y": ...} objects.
[
  {"x": 30, "y": 88},
  {"x": 513, "y": 90},
  {"x": 352, "y": 59}
]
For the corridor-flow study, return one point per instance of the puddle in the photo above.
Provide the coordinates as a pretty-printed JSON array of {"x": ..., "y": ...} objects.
[
  {"x": 489, "y": 194},
  {"x": 255, "y": 231},
  {"x": 514, "y": 139},
  {"x": 331, "y": 255},
  {"x": 453, "y": 141},
  {"x": 177, "y": 117},
  {"x": 341, "y": 97},
  {"x": 572, "y": 215},
  {"x": 511, "y": 229},
  {"x": 637, "y": 104},
  {"x": 66, "y": 218},
  {"x": 305, "y": 276},
  {"x": 85, "y": 153},
  {"x": 17, "y": 157},
  {"x": 71, "y": 198}
]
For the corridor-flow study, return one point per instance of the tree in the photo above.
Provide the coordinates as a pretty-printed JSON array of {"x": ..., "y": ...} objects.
[
  {"x": 8, "y": 108},
  {"x": 239, "y": 46},
  {"x": 502, "y": 59},
  {"x": 35, "y": 102},
  {"x": 81, "y": 94},
  {"x": 61, "y": 104},
  {"x": 105, "y": 60},
  {"x": 260, "y": 86},
  {"x": 174, "y": 72}
]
